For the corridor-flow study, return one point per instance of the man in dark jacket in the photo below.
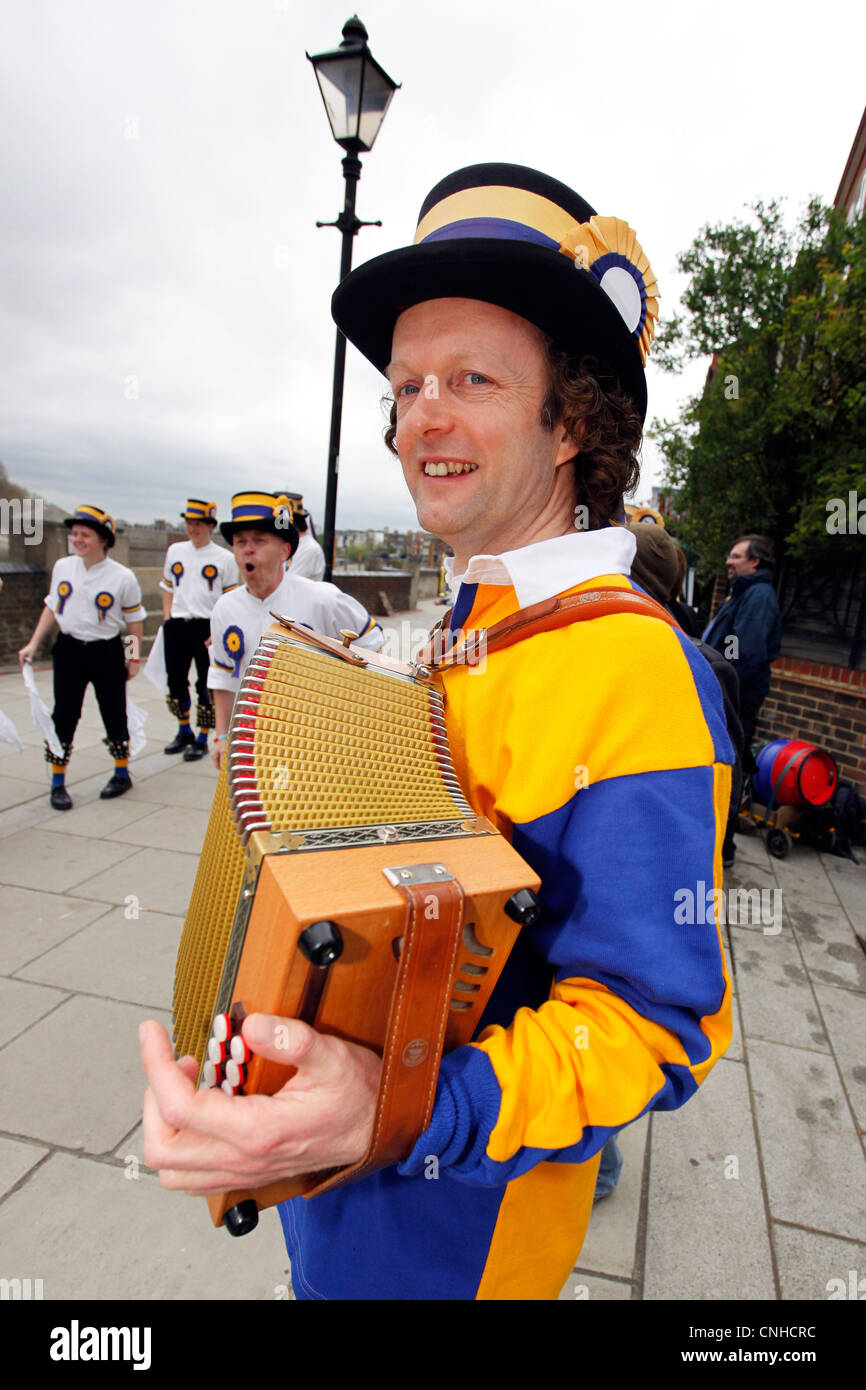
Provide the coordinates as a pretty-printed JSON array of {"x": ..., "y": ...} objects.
[{"x": 747, "y": 629}]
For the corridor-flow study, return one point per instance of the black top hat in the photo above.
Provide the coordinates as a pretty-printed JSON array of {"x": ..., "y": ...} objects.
[
  {"x": 94, "y": 517},
  {"x": 198, "y": 510},
  {"x": 262, "y": 511},
  {"x": 517, "y": 238}
]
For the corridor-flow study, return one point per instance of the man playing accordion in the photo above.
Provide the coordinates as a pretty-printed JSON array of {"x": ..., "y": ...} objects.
[{"x": 513, "y": 334}]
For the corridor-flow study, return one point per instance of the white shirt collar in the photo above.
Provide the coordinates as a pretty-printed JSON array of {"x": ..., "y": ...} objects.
[
  {"x": 93, "y": 568},
  {"x": 545, "y": 568}
]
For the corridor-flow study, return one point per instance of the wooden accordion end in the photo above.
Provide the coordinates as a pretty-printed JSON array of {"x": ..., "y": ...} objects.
[{"x": 343, "y": 880}]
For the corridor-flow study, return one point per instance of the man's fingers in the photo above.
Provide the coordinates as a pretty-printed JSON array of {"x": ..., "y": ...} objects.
[
  {"x": 207, "y": 1112},
  {"x": 195, "y": 1160},
  {"x": 291, "y": 1043}
]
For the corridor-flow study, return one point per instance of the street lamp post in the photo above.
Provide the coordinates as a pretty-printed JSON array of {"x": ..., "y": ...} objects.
[{"x": 357, "y": 93}]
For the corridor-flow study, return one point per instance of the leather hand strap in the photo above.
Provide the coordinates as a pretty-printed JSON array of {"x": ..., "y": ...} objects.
[
  {"x": 539, "y": 617},
  {"x": 416, "y": 1029}
]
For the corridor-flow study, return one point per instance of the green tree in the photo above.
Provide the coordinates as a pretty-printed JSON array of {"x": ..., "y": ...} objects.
[{"x": 779, "y": 430}]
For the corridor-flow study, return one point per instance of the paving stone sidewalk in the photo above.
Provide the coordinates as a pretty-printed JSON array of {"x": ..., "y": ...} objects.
[{"x": 755, "y": 1190}]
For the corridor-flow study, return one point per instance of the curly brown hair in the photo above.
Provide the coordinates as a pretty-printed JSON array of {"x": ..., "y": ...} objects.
[
  {"x": 593, "y": 409},
  {"x": 591, "y": 406}
]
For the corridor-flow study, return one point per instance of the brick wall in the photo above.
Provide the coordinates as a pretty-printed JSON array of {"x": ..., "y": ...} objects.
[
  {"x": 24, "y": 588},
  {"x": 400, "y": 587},
  {"x": 825, "y": 705}
]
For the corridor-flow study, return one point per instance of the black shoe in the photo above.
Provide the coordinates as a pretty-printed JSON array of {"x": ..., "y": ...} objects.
[
  {"x": 194, "y": 752},
  {"x": 116, "y": 786},
  {"x": 60, "y": 799},
  {"x": 179, "y": 742}
]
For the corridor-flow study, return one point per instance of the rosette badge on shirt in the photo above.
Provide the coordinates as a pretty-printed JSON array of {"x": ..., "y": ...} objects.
[
  {"x": 210, "y": 573},
  {"x": 104, "y": 600},
  {"x": 233, "y": 641},
  {"x": 177, "y": 572},
  {"x": 64, "y": 594}
]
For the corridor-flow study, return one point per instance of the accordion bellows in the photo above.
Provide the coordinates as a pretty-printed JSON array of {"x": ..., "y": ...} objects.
[
  {"x": 391, "y": 766},
  {"x": 337, "y": 807},
  {"x": 315, "y": 745}
]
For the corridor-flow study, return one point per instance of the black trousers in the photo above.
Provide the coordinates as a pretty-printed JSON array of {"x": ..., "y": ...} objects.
[
  {"x": 184, "y": 641},
  {"x": 79, "y": 664}
]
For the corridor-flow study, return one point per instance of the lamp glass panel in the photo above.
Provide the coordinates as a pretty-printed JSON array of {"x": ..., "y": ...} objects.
[
  {"x": 378, "y": 92},
  {"x": 340, "y": 83}
]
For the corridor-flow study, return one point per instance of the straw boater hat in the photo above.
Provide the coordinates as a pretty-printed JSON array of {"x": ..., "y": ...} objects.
[
  {"x": 197, "y": 510},
  {"x": 94, "y": 517},
  {"x": 512, "y": 236},
  {"x": 262, "y": 511}
]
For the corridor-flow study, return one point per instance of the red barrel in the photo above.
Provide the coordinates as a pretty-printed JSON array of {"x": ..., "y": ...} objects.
[{"x": 810, "y": 776}]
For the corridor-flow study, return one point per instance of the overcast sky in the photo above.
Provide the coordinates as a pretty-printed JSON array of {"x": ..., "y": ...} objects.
[{"x": 165, "y": 329}]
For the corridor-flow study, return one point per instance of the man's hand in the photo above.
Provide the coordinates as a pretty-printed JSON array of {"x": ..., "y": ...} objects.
[{"x": 207, "y": 1142}]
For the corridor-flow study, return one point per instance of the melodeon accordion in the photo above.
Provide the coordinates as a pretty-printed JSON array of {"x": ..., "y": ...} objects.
[{"x": 344, "y": 880}]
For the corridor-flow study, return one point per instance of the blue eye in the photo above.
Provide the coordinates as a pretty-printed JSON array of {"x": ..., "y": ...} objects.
[
  {"x": 407, "y": 389},
  {"x": 476, "y": 376}
]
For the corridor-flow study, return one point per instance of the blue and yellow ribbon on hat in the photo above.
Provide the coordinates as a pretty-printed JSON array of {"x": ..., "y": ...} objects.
[
  {"x": 198, "y": 510},
  {"x": 94, "y": 517}
]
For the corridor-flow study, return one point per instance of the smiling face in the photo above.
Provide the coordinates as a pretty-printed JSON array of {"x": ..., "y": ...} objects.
[
  {"x": 260, "y": 557},
  {"x": 469, "y": 380},
  {"x": 198, "y": 532},
  {"x": 88, "y": 544}
]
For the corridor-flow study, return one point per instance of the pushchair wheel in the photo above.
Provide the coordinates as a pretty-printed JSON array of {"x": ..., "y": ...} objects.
[{"x": 779, "y": 843}]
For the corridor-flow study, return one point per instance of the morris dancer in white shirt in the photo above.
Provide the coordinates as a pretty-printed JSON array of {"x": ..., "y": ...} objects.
[
  {"x": 263, "y": 538},
  {"x": 309, "y": 558},
  {"x": 197, "y": 572},
  {"x": 92, "y": 600}
]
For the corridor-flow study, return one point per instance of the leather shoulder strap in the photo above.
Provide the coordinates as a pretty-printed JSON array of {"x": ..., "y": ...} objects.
[{"x": 546, "y": 616}]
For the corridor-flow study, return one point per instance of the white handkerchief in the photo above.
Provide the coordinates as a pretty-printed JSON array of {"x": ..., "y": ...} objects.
[
  {"x": 155, "y": 665},
  {"x": 41, "y": 718},
  {"x": 8, "y": 732},
  {"x": 136, "y": 718}
]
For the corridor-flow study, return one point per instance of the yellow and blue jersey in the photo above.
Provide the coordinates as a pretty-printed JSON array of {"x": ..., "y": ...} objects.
[{"x": 600, "y": 750}]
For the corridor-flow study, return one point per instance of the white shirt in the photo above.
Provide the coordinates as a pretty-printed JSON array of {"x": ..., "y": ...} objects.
[
  {"x": 546, "y": 568},
  {"x": 309, "y": 558},
  {"x": 94, "y": 604},
  {"x": 197, "y": 578},
  {"x": 239, "y": 619}
]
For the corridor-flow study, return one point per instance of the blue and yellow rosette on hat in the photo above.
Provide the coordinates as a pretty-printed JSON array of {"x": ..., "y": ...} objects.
[{"x": 609, "y": 249}]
